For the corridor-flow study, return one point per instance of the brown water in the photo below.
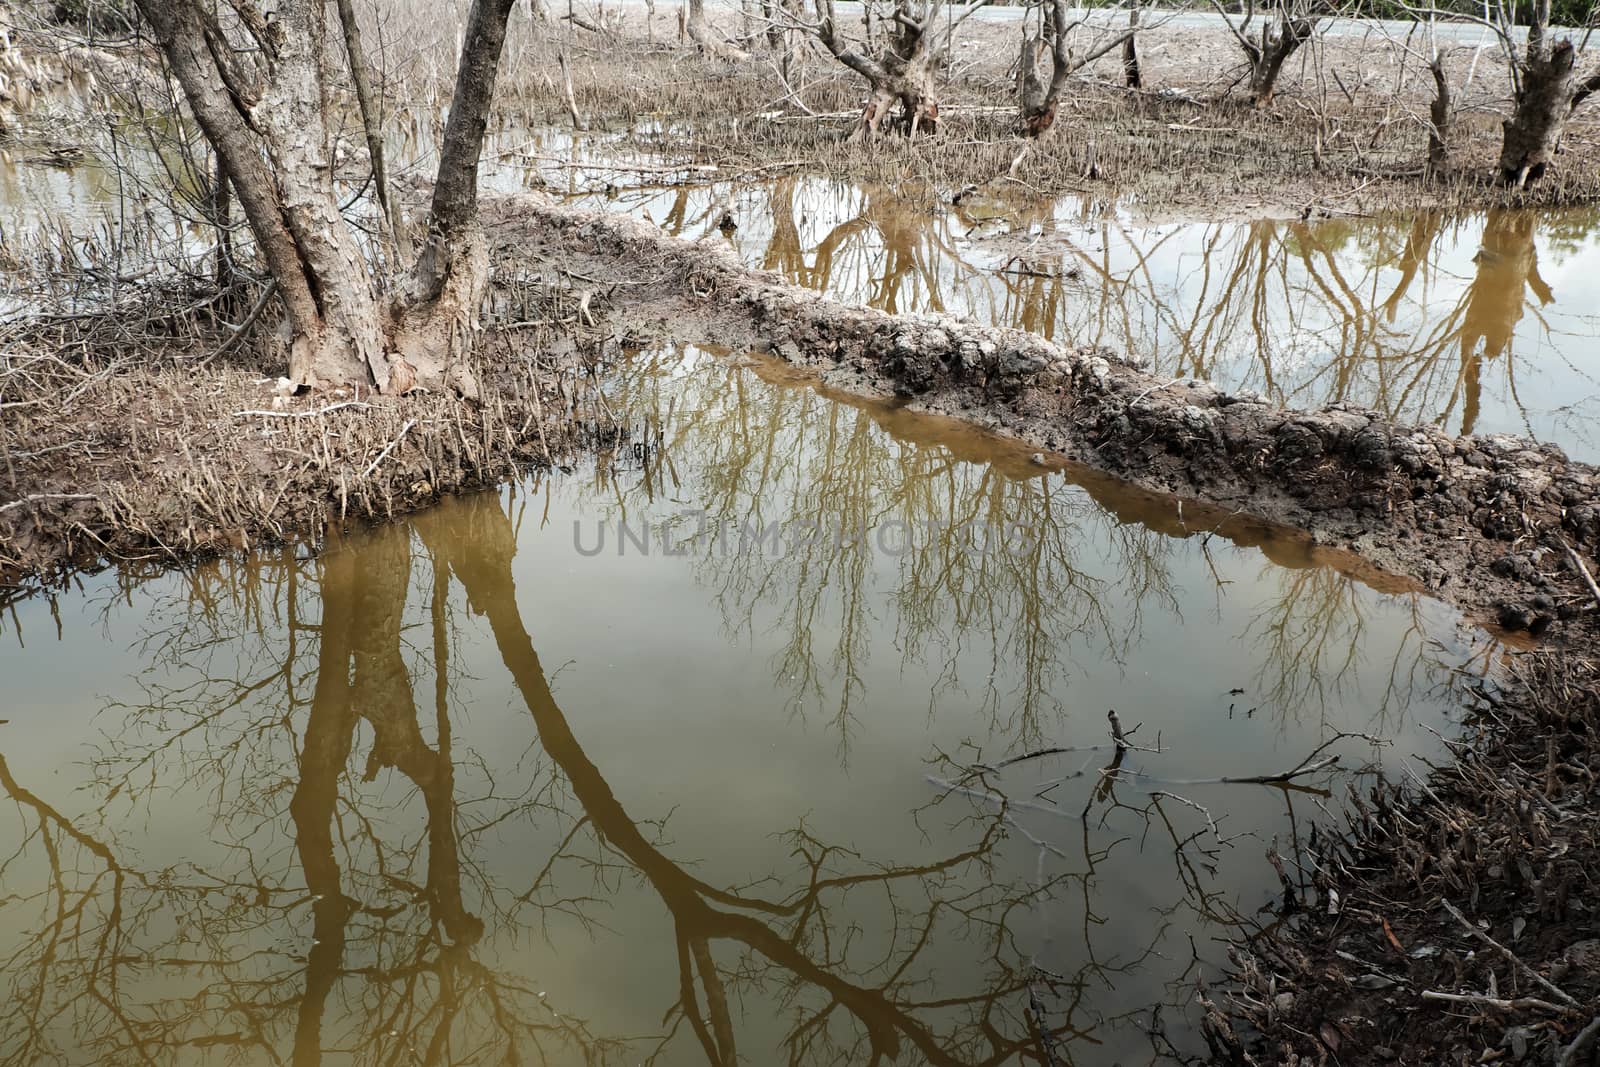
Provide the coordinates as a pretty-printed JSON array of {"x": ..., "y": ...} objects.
[{"x": 478, "y": 787}]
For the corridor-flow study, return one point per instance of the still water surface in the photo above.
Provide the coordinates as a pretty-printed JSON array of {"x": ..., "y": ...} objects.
[
  {"x": 1475, "y": 322},
  {"x": 479, "y": 787}
]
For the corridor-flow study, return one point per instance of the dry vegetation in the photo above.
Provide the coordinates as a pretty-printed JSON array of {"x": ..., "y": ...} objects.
[
  {"x": 1447, "y": 921},
  {"x": 1347, "y": 132},
  {"x": 140, "y": 416}
]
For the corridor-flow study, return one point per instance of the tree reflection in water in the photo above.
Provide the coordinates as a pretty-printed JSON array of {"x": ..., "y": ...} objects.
[
  {"x": 1393, "y": 312},
  {"x": 350, "y": 905},
  {"x": 1088, "y": 578},
  {"x": 310, "y": 839}
]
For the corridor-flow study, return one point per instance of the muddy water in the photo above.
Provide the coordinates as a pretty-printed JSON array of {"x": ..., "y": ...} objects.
[
  {"x": 1477, "y": 323},
  {"x": 1481, "y": 323},
  {"x": 692, "y": 754}
]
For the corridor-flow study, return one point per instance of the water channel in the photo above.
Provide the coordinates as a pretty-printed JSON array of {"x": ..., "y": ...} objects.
[{"x": 732, "y": 744}]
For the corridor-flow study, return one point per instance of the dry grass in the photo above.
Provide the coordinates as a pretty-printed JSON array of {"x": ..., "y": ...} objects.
[
  {"x": 1346, "y": 133},
  {"x": 124, "y": 437}
]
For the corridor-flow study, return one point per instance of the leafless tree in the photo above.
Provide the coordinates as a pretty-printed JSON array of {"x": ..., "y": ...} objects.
[
  {"x": 1285, "y": 26},
  {"x": 257, "y": 79},
  {"x": 1040, "y": 98},
  {"x": 899, "y": 62},
  {"x": 1545, "y": 86}
]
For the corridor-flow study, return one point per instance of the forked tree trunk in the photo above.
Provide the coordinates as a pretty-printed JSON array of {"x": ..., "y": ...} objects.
[
  {"x": 1279, "y": 41},
  {"x": 1039, "y": 100},
  {"x": 264, "y": 110},
  {"x": 912, "y": 90},
  {"x": 702, "y": 36},
  {"x": 1543, "y": 103},
  {"x": 901, "y": 73}
]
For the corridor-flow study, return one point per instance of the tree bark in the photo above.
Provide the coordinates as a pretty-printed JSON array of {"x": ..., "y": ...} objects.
[
  {"x": 1039, "y": 101},
  {"x": 1131, "y": 74},
  {"x": 265, "y": 111},
  {"x": 700, "y": 33},
  {"x": 368, "y": 105},
  {"x": 1543, "y": 103},
  {"x": 1439, "y": 120},
  {"x": 1278, "y": 42}
]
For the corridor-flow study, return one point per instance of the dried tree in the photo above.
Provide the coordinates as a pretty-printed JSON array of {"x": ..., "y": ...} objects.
[
  {"x": 899, "y": 63},
  {"x": 694, "y": 24},
  {"x": 1545, "y": 93},
  {"x": 1039, "y": 99},
  {"x": 1545, "y": 86},
  {"x": 258, "y": 83},
  {"x": 1284, "y": 28}
]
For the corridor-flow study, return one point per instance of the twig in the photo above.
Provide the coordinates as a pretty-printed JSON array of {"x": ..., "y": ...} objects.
[
  {"x": 1585, "y": 1038},
  {"x": 244, "y": 327},
  {"x": 390, "y": 448},
  {"x": 1514, "y": 1004},
  {"x": 1508, "y": 954},
  {"x": 1583, "y": 572},
  {"x": 304, "y": 414},
  {"x": 31, "y": 497}
]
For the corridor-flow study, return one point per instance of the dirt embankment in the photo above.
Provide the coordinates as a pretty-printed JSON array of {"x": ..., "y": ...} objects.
[
  {"x": 1473, "y": 519},
  {"x": 1451, "y": 921}
]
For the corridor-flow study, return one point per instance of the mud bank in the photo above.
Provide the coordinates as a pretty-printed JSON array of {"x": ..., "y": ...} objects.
[
  {"x": 1472, "y": 519},
  {"x": 1448, "y": 922},
  {"x": 1362, "y": 961}
]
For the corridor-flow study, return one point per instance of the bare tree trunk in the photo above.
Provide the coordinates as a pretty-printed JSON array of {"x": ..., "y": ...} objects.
[
  {"x": 700, "y": 33},
  {"x": 1039, "y": 106},
  {"x": 368, "y": 105},
  {"x": 222, "y": 219},
  {"x": 1130, "y": 53},
  {"x": 1543, "y": 103},
  {"x": 1279, "y": 41},
  {"x": 436, "y": 321},
  {"x": 1439, "y": 121},
  {"x": 260, "y": 93},
  {"x": 901, "y": 73}
]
